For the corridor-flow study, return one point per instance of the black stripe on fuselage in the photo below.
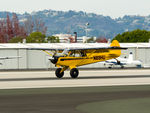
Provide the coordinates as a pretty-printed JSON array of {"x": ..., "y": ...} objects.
[{"x": 73, "y": 59}]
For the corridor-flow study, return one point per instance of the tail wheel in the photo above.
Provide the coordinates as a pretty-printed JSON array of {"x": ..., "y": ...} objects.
[
  {"x": 74, "y": 73},
  {"x": 58, "y": 74}
]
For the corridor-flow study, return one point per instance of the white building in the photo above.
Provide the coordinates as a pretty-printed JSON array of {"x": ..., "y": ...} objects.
[
  {"x": 65, "y": 38},
  {"x": 36, "y": 59}
]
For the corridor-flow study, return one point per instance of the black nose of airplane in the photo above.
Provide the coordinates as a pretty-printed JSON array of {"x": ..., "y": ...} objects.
[{"x": 54, "y": 60}]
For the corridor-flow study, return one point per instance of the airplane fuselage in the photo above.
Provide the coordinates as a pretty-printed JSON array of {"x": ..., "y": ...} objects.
[{"x": 91, "y": 57}]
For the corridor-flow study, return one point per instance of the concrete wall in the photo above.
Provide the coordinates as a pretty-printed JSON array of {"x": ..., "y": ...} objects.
[{"x": 36, "y": 59}]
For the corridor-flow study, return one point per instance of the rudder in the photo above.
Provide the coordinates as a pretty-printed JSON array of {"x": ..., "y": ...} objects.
[{"x": 115, "y": 43}]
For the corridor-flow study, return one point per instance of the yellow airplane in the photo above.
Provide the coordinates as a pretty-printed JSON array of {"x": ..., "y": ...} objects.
[{"x": 75, "y": 57}]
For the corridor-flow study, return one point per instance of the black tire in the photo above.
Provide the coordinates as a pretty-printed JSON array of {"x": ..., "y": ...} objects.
[
  {"x": 109, "y": 67},
  {"x": 74, "y": 73},
  {"x": 58, "y": 74}
]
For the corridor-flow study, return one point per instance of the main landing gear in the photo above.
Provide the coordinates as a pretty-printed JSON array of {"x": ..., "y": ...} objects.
[
  {"x": 73, "y": 73},
  {"x": 58, "y": 74}
]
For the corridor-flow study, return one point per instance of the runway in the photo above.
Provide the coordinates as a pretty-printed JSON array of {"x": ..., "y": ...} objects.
[
  {"x": 47, "y": 97},
  {"x": 45, "y": 79}
]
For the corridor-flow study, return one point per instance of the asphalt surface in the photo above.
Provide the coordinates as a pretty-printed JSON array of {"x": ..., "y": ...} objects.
[
  {"x": 44, "y": 79},
  {"x": 60, "y": 103},
  {"x": 29, "y": 101}
]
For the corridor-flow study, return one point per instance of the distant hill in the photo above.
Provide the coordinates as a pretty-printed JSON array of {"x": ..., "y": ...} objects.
[{"x": 72, "y": 21}]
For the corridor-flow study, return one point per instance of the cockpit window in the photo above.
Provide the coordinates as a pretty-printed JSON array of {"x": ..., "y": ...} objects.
[
  {"x": 83, "y": 54},
  {"x": 77, "y": 54}
]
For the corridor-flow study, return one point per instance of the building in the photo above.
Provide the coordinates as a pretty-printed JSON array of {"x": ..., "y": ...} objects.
[
  {"x": 65, "y": 38},
  {"x": 36, "y": 59}
]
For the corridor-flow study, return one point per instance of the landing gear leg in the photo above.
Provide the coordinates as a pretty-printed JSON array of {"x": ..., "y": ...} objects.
[{"x": 74, "y": 73}]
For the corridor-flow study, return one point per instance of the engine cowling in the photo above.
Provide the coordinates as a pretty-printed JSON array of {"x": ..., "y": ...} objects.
[{"x": 54, "y": 60}]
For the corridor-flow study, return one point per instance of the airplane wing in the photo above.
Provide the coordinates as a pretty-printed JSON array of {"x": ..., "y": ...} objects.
[
  {"x": 72, "y": 49},
  {"x": 114, "y": 45},
  {"x": 117, "y": 61},
  {"x": 102, "y": 48},
  {"x": 111, "y": 62},
  {"x": 10, "y": 57},
  {"x": 59, "y": 49},
  {"x": 65, "y": 51}
]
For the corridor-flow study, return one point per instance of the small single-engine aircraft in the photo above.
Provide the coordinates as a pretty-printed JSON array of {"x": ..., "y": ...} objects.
[
  {"x": 123, "y": 61},
  {"x": 74, "y": 57}
]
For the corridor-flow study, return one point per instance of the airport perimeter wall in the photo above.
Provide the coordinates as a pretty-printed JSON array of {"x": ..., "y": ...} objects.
[{"x": 36, "y": 59}]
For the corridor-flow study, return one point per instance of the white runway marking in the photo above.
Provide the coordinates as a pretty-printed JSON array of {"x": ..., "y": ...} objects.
[{"x": 42, "y": 79}]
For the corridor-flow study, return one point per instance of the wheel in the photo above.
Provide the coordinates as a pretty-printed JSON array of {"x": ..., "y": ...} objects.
[
  {"x": 109, "y": 67},
  {"x": 74, "y": 73},
  {"x": 58, "y": 74}
]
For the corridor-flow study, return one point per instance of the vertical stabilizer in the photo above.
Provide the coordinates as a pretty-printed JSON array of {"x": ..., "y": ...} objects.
[
  {"x": 115, "y": 43},
  {"x": 130, "y": 59},
  {"x": 116, "y": 52}
]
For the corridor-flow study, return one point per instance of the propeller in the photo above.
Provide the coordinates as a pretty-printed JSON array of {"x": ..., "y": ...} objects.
[{"x": 55, "y": 55}]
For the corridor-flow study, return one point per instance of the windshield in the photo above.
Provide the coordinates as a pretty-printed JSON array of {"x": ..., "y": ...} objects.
[{"x": 77, "y": 54}]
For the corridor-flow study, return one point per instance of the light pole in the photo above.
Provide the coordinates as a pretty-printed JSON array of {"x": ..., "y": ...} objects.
[{"x": 86, "y": 28}]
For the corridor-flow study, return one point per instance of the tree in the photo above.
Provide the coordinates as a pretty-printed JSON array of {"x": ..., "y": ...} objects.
[
  {"x": 29, "y": 25},
  {"x": 53, "y": 39},
  {"x": 101, "y": 40},
  {"x": 40, "y": 26},
  {"x": 133, "y": 36},
  {"x": 90, "y": 40},
  {"x": 10, "y": 28},
  {"x": 33, "y": 24},
  {"x": 16, "y": 40},
  {"x": 36, "y": 37},
  {"x": 2, "y": 31},
  {"x": 15, "y": 22}
]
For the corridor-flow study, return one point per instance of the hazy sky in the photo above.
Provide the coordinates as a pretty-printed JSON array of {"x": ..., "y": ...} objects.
[{"x": 113, "y": 8}]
